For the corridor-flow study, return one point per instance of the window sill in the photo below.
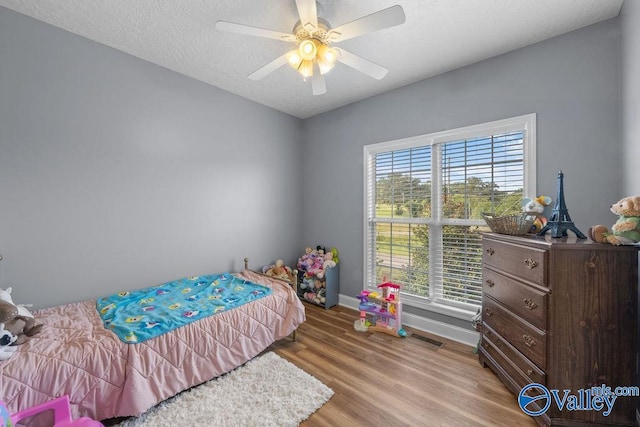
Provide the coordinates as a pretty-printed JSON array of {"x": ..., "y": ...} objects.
[{"x": 440, "y": 308}]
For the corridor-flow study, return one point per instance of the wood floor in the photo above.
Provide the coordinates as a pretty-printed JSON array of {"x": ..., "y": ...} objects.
[{"x": 381, "y": 380}]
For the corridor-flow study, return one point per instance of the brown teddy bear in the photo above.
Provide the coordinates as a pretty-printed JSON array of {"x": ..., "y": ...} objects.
[
  {"x": 626, "y": 230},
  {"x": 280, "y": 271}
]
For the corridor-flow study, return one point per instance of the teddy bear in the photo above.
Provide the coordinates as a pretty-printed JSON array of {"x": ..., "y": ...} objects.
[
  {"x": 280, "y": 271},
  {"x": 626, "y": 230},
  {"x": 16, "y": 318}
]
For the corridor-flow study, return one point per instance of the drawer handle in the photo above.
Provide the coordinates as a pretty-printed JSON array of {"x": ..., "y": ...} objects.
[
  {"x": 531, "y": 264},
  {"x": 490, "y": 283},
  {"x": 529, "y": 303},
  {"x": 490, "y": 251},
  {"x": 488, "y": 312},
  {"x": 529, "y": 340}
]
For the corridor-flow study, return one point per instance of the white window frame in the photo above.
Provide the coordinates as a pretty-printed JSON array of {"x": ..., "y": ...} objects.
[{"x": 525, "y": 123}]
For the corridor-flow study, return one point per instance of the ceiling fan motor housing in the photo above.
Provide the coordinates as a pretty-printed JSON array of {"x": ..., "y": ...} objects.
[{"x": 307, "y": 31}]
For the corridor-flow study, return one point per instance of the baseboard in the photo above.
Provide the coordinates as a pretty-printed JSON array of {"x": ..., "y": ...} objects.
[{"x": 451, "y": 332}]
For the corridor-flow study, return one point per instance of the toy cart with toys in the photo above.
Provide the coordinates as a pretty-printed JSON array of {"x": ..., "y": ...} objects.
[{"x": 381, "y": 311}]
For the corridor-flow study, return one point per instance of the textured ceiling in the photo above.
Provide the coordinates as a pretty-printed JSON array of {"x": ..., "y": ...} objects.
[{"x": 438, "y": 36}]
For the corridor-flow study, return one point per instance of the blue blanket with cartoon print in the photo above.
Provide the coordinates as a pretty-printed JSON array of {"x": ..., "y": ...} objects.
[{"x": 139, "y": 315}]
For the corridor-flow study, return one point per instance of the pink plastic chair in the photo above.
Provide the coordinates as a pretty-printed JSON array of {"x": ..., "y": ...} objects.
[{"x": 61, "y": 414}]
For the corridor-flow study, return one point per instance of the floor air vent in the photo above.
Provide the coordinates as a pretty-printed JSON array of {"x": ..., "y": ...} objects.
[{"x": 428, "y": 340}]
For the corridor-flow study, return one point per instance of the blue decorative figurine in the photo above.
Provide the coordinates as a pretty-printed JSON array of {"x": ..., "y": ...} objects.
[{"x": 560, "y": 221}]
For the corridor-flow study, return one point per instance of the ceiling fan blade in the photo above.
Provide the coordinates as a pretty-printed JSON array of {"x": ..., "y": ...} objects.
[
  {"x": 308, "y": 12},
  {"x": 317, "y": 82},
  {"x": 363, "y": 65},
  {"x": 385, "y": 18},
  {"x": 270, "y": 67},
  {"x": 232, "y": 27}
]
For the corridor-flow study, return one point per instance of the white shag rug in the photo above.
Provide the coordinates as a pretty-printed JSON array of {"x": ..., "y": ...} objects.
[{"x": 266, "y": 391}]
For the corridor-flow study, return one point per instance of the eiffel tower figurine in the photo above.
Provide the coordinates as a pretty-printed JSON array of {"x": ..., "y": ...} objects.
[{"x": 560, "y": 221}]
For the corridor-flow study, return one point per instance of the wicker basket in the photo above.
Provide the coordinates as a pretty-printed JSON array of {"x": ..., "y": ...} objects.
[{"x": 516, "y": 225}]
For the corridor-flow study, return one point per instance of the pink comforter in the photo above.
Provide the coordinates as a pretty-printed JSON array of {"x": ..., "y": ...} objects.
[{"x": 106, "y": 378}]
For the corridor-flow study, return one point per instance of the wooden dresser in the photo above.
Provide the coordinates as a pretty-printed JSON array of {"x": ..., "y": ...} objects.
[{"x": 562, "y": 313}]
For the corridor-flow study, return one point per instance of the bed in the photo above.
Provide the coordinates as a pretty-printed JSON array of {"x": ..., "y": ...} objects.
[{"x": 107, "y": 378}]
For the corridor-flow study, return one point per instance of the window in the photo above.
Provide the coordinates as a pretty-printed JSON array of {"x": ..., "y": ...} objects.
[{"x": 424, "y": 202}]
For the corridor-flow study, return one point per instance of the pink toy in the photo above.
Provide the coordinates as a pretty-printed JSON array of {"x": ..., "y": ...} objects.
[
  {"x": 385, "y": 310},
  {"x": 314, "y": 265},
  {"x": 61, "y": 413}
]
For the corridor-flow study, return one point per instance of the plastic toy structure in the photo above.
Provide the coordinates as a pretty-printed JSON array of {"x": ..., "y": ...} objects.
[
  {"x": 381, "y": 312},
  {"x": 61, "y": 414}
]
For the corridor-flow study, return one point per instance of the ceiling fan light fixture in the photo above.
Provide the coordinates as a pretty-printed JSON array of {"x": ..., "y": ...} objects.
[
  {"x": 313, "y": 36},
  {"x": 309, "y": 52},
  {"x": 326, "y": 58},
  {"x": 294, "y": 59},
  {"x": 308, "y": 49},
  {"x": 306, "y": 68}
]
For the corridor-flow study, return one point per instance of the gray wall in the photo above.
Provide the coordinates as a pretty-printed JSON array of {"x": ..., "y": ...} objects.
[
  {"x": 571, "y": 82},
  {"x": 630, "y": 94},
  {"x": 118, "y": 174},
  {"x": 115, "y": 173}
]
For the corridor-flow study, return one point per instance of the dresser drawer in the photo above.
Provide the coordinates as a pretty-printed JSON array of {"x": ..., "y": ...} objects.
[
  {"x": 529, "y": 340},
  {"x": 521, "y": 299},
  {"x": 526, "y": 262},
  {"x": 527, "y": 371}
]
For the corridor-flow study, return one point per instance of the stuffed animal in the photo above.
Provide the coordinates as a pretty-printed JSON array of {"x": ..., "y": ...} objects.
[
  {"x": 16, "y": 318},
  {"x": 6, "y": 341},
  {"x": 280, "y": 271},
  {"x": 314, "y": 265},
  {"x": 536, "y": 207},
  {"x": 328, "y": 262},
  {"x": 626, "y": 230},
  {"x": 321, "y": 293},
  {"x": 302, "y": 260},
  {"x": 307, "y": 282},
  {"x": 334, "y": 252}
]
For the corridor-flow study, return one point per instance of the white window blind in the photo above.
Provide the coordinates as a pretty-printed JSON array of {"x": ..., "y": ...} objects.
[{"x": 424, "y": 200}]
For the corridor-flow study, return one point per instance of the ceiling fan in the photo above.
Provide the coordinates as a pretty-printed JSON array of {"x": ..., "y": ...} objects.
[{"x": 313, "y": 55}]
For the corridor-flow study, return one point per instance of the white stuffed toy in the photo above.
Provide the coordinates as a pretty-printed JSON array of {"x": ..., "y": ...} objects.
[
  {"x": 5, "y": 295},
  {"x": 6, "y": 339},
  {"x": 536, "y": 207},
  {"x": 16, "y": 318}
]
